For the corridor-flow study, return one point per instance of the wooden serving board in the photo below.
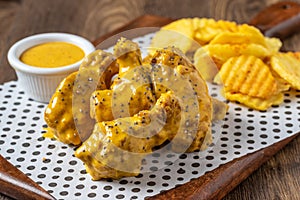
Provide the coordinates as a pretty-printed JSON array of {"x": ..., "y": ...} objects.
[{"x": 213, "y": 185}]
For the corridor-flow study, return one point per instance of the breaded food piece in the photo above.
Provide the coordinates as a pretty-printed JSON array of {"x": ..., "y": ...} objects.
[
  {"x": 105, "y": 108},
  {"x": 58, "y": 114},
  {"x": 148, "y": 104},
  {"x": 68, "y": 113},
  {"x": 116, "y": 148},
  {"x": 95, "y": 72},
  {"x": 128, "y": 55},
  {"x": 131, "y": 90},
  {"x": 165, "y": 63},
  {"x": 101, "y": 105}
]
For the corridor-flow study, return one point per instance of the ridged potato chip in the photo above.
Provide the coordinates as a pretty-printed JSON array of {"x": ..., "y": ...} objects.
[
  {"x": 254, "y": 102},
  {"x": 206, "y": 29},
  {"x": 247, "y": 75},
  {"x": 245, "y": 34},
  {"x": 203, "y": 30},
  {"x": 179, "y": 34},
  {"x": 273, "y": 44},
  {"x": 287, "y": 66},
  {"x": 245, "y": 28},
  {"x": 238, "y": 38},
  {"x": 282, "y": 85},
  {"x": 250, "y": 67},
  {"x": 295, "y": 54},
  {"x": 220, "y": 53}
]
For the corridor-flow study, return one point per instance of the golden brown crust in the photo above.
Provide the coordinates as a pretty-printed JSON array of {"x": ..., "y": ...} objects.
[
  {"x": 163, "y": 98},
  {"x": 58, "y": 114},
  {"x": 68, "y": 111}
]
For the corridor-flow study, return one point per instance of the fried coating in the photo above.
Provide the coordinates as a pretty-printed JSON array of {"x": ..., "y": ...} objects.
[
  {"x": 182, "y": 115},
  {"x": 100, "y": 104},
  {"x": 58, "y": 114},
  {"x": 104, "y": 108},
  {"x": 116, "y": 148},
  {"x": 172, "y": 58},
  {"x": 68, "y": 113},
  {"x": 162, "y": 99},
  {"x": 132, "y": 89},
  {"x": 133, "y": 92},
  {"x": 95, "y": 72},
  {"x": 128, "y": 55}
]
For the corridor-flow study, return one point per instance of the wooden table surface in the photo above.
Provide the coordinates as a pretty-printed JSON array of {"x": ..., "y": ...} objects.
[{"x": 279, "y": 178}]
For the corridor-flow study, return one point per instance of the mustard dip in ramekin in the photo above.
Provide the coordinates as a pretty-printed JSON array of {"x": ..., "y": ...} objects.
[{"x": 40, "y": 82}]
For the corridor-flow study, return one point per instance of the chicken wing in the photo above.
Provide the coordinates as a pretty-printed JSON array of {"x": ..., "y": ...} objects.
[
  {"x": 58, "y": 114},
  {"x": 68, "y": 111},
  {"x": 116, "y": 148},
  {"x": 162, "y": 61}
]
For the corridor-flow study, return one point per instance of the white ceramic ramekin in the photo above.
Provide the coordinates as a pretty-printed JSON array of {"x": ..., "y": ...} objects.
[{"x": 40, "y": 83}]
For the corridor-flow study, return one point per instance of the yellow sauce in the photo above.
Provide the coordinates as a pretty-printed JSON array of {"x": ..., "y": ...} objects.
[
  {"x": 52, "y": 54},
  {"x": 49, "y": 133}
]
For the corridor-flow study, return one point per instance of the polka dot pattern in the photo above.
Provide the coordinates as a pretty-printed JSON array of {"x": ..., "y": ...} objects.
[{"x": 54, "y": 166}]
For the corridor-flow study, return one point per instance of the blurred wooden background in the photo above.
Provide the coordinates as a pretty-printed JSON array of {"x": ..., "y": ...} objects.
[{"x": 277, "y": 179}]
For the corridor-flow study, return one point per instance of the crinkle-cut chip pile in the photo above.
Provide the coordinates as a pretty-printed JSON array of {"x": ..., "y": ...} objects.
[
  {"x": 134, "y": 106},
  {"x": 251, "y": 67}
]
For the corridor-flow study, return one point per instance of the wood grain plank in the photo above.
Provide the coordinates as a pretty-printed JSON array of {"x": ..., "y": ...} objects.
[
  {"x": 16, "y": 184},
  {"x": 240, "y": 11},
  {"x": 178, "y": 9},
  {"x": 8, "y": 10},
  {"x": 106, "y": 16},
  {"x": 149, "y": 21},
  {"x": 86, "y": 18},
  {"x": 276, "y": 179},
  {"x": 279, "y": 20}
]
